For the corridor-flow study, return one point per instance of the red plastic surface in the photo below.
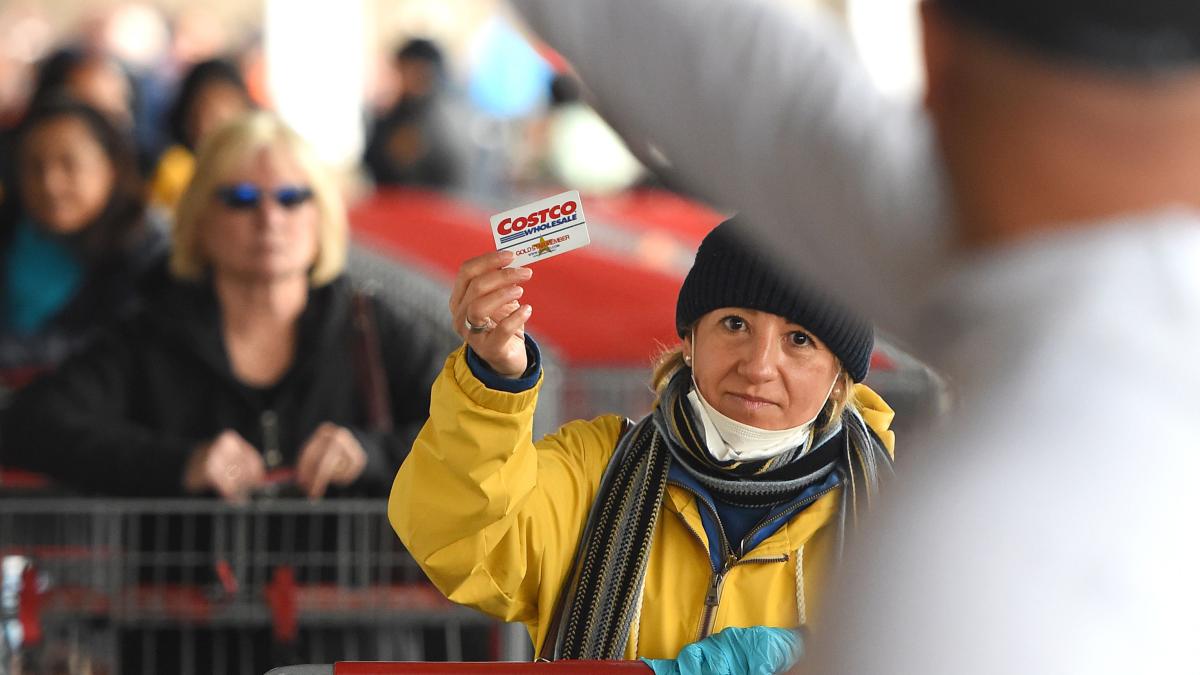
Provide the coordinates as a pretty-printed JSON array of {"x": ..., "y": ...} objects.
[
  {"x": 281, "y": 597},
  {"x": 594, "y": 307},
  {"x": 29, "y": 603},
  {"x": 556, "y": 668},
  {"x": 655, "y": 210},
  {"x": 16, "y": 479}
]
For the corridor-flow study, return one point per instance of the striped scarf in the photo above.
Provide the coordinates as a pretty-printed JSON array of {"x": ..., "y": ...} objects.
[{"x": 597, "y": 606}]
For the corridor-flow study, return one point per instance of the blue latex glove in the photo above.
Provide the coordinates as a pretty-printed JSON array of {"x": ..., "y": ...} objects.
[{"x": 758, "y": 650}]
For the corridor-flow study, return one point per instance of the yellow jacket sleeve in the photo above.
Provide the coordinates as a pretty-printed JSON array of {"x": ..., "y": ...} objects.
[{"x": 492, "y": 517}]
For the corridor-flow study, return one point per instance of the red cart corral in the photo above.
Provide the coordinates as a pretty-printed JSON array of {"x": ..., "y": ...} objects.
[{"x": 94, "y": 586}]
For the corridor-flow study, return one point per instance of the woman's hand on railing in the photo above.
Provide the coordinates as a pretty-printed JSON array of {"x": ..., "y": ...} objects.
[
  {"x": 227, "y": 464},
  {"x": 331, "y": 455},
  {"x": 487, "y": 313}
]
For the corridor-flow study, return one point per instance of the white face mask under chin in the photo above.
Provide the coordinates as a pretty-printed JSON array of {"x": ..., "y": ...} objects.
[{"x": 730, "y": 440}]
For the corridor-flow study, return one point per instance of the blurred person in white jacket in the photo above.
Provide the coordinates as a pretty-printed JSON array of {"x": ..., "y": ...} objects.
[{"x": 1034, "y": 231}]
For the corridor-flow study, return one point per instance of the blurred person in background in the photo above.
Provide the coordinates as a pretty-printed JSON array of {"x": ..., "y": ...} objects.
[
  {"x": 138, "y": 35},
  {"x": 73, "y": 236},
  {"x": 724, "y": 508},
  {"x": 574, "y": 147},
  {"x": 1035, "y": 232},
  {"x": 418, "y": 141},
  {"x": 84, "y": 75},
  {"x": 255, "y": 355},
  {"x": 582, "y": 151},
  {"x": 211, "y": 94},
  {"x": 93, "y": 78},
  {"x": 131, "y": 98},
  {"x": 89, "y": 76}
]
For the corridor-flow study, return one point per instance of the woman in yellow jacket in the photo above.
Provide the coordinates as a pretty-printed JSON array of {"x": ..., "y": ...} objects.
[
  {"x": 725, "y": 507},
  {"x": 212, "y": 94}
]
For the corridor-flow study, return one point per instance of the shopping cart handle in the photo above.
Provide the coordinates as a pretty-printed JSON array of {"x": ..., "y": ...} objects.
[{"x": 490, "y": 668}]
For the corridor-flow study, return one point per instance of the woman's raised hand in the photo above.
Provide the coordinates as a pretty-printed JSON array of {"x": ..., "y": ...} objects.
[{"x": 486, "y": 310}]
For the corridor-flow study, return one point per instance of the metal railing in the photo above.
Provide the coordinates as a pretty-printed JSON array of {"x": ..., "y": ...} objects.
[{"x": 196, "y": 586}]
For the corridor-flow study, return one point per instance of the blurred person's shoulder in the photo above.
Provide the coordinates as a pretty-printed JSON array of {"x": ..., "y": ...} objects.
[{"x": 165, "y": 302}]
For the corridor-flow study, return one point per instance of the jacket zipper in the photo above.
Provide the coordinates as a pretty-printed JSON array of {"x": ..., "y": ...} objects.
[
  {"x": 269, "y": 421},
  {"x": 726, "y": 551},
  {"x": 712, "y": 597},
  {"x": 783, "y": 514}
]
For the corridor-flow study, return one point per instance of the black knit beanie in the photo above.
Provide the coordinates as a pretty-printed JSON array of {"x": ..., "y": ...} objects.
[{"x": 730, "y": 272}]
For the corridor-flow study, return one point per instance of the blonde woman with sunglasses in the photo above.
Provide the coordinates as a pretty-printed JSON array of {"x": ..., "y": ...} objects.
[{"x": 242, "y": 371}]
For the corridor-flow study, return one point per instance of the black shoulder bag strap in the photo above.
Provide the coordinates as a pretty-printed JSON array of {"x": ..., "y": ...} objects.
[{"x": 370, "y": 373}]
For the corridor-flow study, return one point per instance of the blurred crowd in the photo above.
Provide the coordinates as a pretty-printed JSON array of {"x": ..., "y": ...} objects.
[
  {"x": 99, "y": 132},
  {"x": 179, "y": 316},
  {"x": 174, "y": 291},
  {"x": 434, "y": 114},
  {"x": 157, "y": 223}
]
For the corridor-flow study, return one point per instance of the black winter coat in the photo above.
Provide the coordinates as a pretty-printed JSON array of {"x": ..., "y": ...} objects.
[{"x": 122, "y": 417}]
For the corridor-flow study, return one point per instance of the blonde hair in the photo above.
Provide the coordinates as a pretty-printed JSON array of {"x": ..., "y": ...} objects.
[
  {"x": 232, "y": 145},
  {"x": 671, "y": 361}
]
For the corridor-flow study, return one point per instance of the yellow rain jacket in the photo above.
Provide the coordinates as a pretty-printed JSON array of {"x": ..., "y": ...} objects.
[{"x": 494, "y": 519}]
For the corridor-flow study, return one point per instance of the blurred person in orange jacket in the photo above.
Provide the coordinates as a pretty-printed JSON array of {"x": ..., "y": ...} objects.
[{"x": 211, "y": 94}]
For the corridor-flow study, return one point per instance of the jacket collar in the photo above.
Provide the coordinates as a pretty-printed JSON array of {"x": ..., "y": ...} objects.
[
  {"x": 683, "y": 499},
  {"x": 188, "y": 314}
]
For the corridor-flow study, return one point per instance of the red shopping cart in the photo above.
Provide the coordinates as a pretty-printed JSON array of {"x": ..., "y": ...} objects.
[{"x": 199, "y": 586}]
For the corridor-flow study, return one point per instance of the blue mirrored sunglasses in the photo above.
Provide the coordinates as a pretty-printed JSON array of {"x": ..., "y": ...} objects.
[{"x": 246, "y": 196}]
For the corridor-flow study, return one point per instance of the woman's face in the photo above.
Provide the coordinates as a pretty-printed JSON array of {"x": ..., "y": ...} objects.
[
  {"x": 66, "y": 176},
  {"x": 215, "y": 104},
  {"x": 263, "y": 222},
  {"x": 760, "y": 369}
]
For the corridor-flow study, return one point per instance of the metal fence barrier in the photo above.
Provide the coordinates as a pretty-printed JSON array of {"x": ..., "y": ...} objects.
[{"x": 94, "y": 586}]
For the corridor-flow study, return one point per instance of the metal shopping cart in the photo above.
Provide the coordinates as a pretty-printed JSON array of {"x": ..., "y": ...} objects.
[{"x": 95, "y": 586}]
